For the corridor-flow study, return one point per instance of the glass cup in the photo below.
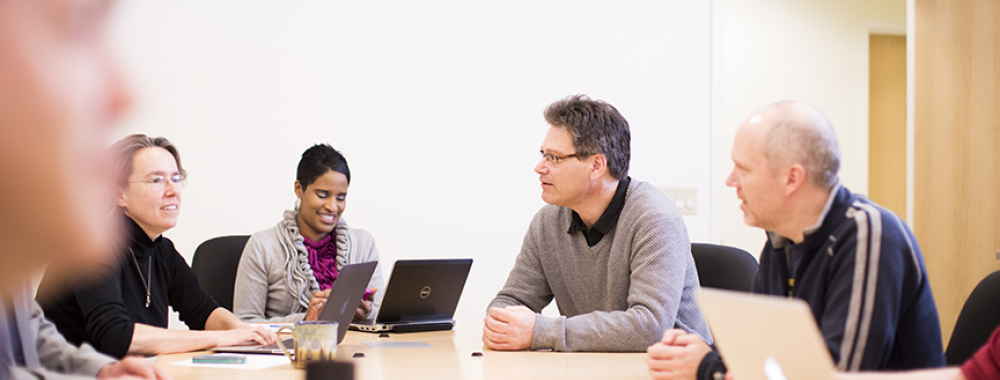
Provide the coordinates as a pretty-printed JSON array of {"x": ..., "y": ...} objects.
[{"x": 314, "y": 341}]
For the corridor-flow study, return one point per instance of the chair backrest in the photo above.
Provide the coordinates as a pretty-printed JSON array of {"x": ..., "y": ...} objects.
[
  {"x": 724, "y": 267},
  {"x": 215, "y": 262},
  {"x": 979, "y": 317}
]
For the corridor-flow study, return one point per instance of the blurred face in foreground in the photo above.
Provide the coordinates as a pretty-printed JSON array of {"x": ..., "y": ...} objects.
[{"x": 59, "y": 94}]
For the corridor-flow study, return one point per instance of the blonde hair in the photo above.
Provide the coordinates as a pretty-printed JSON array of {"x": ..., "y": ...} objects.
[
  {"x": 123, "y": 154},
  {"x": 802, "y": 134}
]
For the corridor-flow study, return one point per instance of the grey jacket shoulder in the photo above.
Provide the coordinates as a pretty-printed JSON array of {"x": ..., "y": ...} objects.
[{"x": 47, "y": 354}]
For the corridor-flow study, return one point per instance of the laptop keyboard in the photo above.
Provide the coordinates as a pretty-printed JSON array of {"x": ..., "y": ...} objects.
[{"x": 289, "y": 344}]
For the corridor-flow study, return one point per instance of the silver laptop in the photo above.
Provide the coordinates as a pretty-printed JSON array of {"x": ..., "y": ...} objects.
[
  {"x": 422, "y": 295},
  {"x": 344, "y": 299},
  {"x": 766, "y": 337}
]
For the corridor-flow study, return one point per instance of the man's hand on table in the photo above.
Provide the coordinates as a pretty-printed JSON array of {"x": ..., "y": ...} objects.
[{"x": 509, "y": 329}]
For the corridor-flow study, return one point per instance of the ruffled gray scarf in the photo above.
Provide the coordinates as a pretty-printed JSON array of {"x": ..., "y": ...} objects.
[{"x": 301, "y": 281}]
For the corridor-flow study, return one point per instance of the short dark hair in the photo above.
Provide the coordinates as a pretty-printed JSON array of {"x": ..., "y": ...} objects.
[
  {"x": 597, "y": 128},
  {"x": 319, "y": 159},
  {"x": 123, "y": 154}
]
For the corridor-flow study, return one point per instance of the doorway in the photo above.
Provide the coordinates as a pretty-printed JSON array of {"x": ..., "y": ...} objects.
[{"x": 887, "y": 121}]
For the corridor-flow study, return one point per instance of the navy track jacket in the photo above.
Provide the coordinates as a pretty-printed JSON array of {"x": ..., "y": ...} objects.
[{"x": 863, "y": 276}]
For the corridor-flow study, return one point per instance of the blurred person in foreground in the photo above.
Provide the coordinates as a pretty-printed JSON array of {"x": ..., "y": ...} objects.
[
  {"x": 59, "y": 94},
  {"x": 854, "y": 262}
]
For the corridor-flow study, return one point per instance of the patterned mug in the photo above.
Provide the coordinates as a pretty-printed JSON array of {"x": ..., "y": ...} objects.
[{"x": 314, "y": 341}]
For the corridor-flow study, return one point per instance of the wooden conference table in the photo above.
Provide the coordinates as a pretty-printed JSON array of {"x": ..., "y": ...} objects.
[{"x": 450, "y": 357}]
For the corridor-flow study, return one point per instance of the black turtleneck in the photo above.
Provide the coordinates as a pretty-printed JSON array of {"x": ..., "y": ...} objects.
[{"x": 103, "y": 312}]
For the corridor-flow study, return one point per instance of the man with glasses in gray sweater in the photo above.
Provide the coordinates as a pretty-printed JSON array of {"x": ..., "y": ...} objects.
[{"x": 612, "y": 251}]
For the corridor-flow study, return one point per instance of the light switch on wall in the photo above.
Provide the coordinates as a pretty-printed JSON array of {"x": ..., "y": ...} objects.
[{"x": 685, "y": 198}]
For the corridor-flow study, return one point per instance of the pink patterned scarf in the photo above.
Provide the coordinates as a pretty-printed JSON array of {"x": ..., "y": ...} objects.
[{"x": 323, "y": 260}]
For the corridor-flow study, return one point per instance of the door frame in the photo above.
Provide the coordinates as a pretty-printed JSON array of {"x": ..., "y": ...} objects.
[{"x": 896, "y": 29}]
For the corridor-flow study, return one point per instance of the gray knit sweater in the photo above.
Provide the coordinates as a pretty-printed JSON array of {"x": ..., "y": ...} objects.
[
  {"x": 619, "y": 295},
  {"x": 274, "y": 281}
]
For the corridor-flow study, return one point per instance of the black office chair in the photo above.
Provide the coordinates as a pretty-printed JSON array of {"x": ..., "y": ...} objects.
[
  {"x": 215, "y": 262},
  {"x": 979, "y": 317},
  {"x": 724, "y": 267}
]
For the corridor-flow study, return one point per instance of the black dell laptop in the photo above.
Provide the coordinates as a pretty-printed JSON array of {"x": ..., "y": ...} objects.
[{"x": 422, "y": 295}]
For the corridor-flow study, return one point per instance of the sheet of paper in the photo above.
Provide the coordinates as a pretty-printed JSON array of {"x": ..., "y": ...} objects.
[
  {"x": 275, "y": 326},
  {"x": 397, "y": 344},
  {"x": 253, "y": 362}
]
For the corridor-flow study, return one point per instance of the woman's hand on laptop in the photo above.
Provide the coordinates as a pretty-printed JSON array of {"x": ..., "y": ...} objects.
[
  {"x": 365, "y": 308},
  {"x": 316, "y": 304},
  {"x": 256, "y": 333}
]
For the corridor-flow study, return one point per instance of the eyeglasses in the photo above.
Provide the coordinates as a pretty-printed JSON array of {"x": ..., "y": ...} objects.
[
  {"x": 553, "y": 159},
  {"x": 159, "y": 182}
]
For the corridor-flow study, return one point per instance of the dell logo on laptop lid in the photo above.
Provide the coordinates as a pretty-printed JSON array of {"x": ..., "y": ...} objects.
[{"x": 425, "y": 292}]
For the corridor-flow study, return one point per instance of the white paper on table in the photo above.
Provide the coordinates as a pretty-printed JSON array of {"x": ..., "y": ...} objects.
[
  {"x": 275, "y": 326},
  {"x": 253, "y": 362}
]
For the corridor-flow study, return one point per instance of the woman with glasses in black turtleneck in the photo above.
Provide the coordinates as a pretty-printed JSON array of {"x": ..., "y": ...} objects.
[{"x": 125, "y": 312}]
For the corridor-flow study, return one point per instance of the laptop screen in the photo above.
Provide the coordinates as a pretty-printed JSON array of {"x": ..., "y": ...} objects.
[{"x": 424, "y": 290}]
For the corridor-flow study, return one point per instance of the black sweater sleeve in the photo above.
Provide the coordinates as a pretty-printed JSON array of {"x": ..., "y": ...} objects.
[
  {"x": 184, "y": 291},
  {"x": 106, "y": 318}
]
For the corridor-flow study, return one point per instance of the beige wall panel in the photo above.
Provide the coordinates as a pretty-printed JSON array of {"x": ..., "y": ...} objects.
[{"x": 957, "y": 98}]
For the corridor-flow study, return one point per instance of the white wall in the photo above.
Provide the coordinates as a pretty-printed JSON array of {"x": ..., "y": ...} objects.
[
  {"x": 436, "y": 105},
  {"x": 808, "y": 50}
]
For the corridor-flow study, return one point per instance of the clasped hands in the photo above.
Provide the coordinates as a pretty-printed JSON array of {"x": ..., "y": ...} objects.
[
  {"x": 509, "y": 328},
  {"x": 677, "y": 356}
]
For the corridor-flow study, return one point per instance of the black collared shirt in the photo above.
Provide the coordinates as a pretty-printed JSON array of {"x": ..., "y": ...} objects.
[{"x": 608, "y": 218}]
